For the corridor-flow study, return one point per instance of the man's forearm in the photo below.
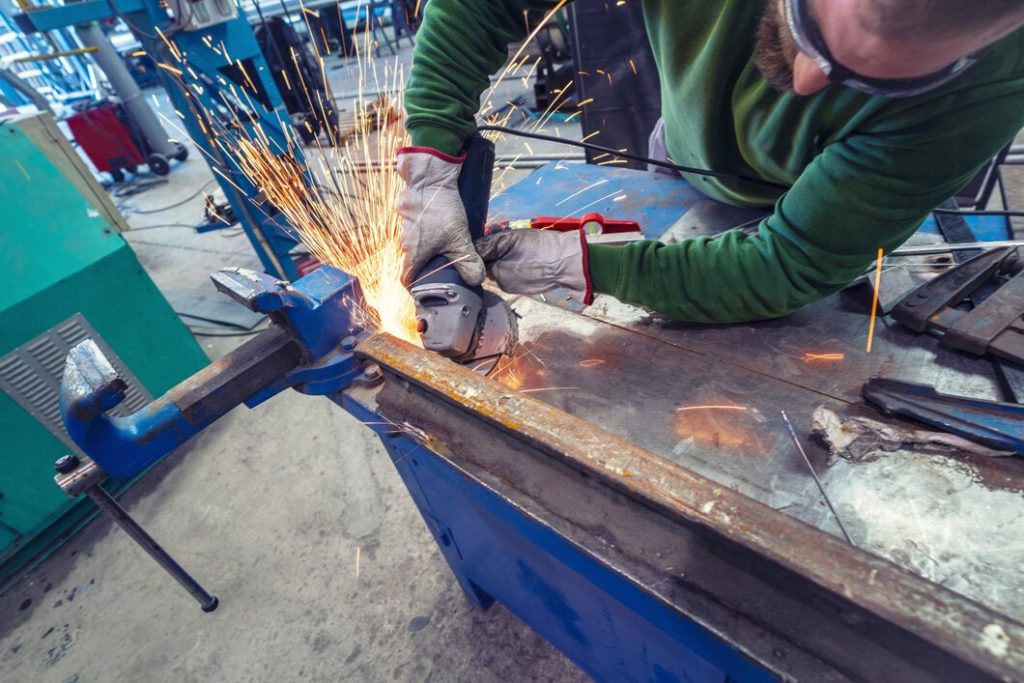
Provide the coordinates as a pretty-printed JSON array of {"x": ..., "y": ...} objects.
[
  {"x": 459, "y": 45},
  {"x": 734, "y": 278}
]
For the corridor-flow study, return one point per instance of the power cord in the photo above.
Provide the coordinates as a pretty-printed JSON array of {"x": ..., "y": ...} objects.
[
  {"x": 980, "y": 212},
  {"x": 162, "y": 225},
  {"x": 135, "y": 186},
  {"x": 628, "y": 155},
  {"x": 175, "y": 205},
  {"x": 225, "y": 331}
]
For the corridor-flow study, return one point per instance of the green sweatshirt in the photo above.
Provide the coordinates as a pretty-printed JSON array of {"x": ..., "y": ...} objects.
[{"x": 863, "y": 171}]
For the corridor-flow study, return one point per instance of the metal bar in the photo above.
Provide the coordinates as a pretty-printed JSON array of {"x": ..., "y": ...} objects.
[
  {"x": 57, "y": 55},
  {"x": 901, "y": 617},
  {"x": 107, "y": 503},
  {"x": 955, "y": 246},
  {"x": 954, "y": 229},
  {"x": 996, "y": 425}
]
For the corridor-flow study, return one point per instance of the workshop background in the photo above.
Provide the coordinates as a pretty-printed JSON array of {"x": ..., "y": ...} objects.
[{"x": 292, "y": 512}]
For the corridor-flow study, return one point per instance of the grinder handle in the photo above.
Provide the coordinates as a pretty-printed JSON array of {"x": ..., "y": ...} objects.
[{"x": 475, "y": 190}]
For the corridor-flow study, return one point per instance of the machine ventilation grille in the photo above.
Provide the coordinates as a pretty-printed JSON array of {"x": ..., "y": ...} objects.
[{"x": 31, "y": 374}]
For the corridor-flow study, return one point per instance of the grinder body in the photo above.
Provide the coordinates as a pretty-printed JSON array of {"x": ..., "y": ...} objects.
[{"x": 465, "y": 323}]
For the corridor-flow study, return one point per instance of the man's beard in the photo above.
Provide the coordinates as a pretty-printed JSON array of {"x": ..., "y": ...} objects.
[{"x": 773, "y": 59}]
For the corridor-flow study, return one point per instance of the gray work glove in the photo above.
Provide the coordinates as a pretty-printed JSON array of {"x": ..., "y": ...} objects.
[
  {"x": 434, "y": 219},
  {"x": 528, "y": 261}
]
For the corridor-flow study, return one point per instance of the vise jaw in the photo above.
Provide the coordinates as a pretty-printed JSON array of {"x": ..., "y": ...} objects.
[{"x": 308, "y": 346}]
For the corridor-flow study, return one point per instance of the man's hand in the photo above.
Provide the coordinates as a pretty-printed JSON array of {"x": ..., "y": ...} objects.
[
  {"x": 528, "y": 261},
  {"x": 434, "y": 217}
]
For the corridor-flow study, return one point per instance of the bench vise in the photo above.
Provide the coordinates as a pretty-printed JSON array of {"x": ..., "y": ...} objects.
[{"x": 307, "y": 347}]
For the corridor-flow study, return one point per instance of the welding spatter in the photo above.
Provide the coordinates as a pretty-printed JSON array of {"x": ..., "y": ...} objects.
[{"x": 470, "y": 325}]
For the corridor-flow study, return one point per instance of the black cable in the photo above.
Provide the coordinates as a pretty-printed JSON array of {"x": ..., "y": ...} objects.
[
  {"x": 702, "y": 171},
  {"x": 162, "y": 225},
  {"x": 196, "y": 333},
  {"x": 175, "y": 205},
  {"x": 634, "y": 157},
  {"x": 981, "y": 212},
  {"x": 224, "y": 331},
  {"x": 136, "y": 185}
]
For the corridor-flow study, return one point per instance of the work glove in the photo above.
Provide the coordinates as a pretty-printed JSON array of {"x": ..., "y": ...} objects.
[
  {"x": 527, "y": 261},
  {"x": 434, "y": 219}
]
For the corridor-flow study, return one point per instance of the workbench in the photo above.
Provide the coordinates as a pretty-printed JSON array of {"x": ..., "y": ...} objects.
[{"x": 570, "y": 551}]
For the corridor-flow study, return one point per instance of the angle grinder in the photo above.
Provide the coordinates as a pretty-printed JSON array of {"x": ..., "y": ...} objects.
[{"x": 470, "y": 325}]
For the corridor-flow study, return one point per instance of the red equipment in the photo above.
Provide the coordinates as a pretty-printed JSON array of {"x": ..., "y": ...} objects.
[
  {"x": 591, "y": 223},
  {"x": 596, "y": 227},
  {"x": 104, "y": 134}
]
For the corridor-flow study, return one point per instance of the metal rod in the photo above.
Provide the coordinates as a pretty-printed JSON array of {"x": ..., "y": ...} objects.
[
  {"x": 814, "y": 474},
  {"x": 942, "y": 248},
  {"x": 107, "y": 504},
  {"x": 56, "y": 55}
]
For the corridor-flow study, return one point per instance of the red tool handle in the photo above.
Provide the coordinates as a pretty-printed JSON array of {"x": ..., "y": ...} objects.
[{"x": 593, "y": 218}]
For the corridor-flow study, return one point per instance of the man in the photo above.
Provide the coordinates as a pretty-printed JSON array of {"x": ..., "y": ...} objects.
[{"x": 871, "y": 112}]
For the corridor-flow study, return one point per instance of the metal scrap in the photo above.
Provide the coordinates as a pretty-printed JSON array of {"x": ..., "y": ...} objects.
[{"x": 855, "y": 438}]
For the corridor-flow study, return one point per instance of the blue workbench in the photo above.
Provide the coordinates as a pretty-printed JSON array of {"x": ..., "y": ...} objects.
[{"x": 496, "y": 521}]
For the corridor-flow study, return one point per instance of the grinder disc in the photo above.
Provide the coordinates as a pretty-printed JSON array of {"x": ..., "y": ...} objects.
[{"x": 497, "y": 335}]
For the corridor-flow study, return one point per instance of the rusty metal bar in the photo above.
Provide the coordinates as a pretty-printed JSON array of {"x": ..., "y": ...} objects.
[{"x": 754, "y": 570}]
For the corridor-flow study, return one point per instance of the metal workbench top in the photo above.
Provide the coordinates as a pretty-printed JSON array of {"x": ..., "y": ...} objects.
[{"x": 709, "y": 397}]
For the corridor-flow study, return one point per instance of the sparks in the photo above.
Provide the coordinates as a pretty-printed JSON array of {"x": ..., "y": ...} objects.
[
  {"x": 874, "y": 299},
  {"x": 340, "y": 203},
  {"x": 341, "y": 206},
  {"x": 168, "y": 67},
  {"x": 811, "y": 357},
  {"x": 712, "y": 407}
]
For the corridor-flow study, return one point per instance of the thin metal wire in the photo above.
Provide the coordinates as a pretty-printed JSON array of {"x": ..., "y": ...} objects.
[{"x": 817, "y": 481}]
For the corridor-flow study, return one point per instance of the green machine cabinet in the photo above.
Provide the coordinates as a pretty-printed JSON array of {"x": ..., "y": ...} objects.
[{"x": 68, "y": 274}]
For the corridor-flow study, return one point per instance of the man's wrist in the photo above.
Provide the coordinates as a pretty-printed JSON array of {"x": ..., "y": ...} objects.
[
  {"x": 604, "y": 266},
  {"x": 441, "y": 139},
  {"x": 434, "y": 152}
]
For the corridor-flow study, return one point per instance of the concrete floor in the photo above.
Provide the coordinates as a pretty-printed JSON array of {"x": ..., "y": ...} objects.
[{"x": 291, "y": 513}]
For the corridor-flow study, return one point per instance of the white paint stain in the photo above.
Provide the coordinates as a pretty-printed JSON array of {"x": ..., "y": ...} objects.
[
  {"x": 612, "y": 310},
  {"x": 994, "y": 639}
]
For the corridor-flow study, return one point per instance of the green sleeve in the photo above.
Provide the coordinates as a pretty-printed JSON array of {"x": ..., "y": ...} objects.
[
  {"x": 458, "y": 46},
  {"x": 871, "y": 190}
]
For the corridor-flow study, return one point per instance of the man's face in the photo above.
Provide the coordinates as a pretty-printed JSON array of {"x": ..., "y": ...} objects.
[{"x": 847, "y": 28}]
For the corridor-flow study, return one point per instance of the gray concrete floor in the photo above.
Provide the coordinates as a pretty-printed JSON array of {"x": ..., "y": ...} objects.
[{"x": 270, "y": 509}]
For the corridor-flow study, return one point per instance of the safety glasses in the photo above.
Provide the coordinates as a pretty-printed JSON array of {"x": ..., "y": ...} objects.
[{"x": 809, "y": 40}]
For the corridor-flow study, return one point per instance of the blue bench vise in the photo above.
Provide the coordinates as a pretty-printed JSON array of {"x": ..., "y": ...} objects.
[{"x": 307, "y": 347}]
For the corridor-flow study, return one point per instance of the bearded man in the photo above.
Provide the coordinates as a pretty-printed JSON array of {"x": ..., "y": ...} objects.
[{"x": 866, "y": 114}]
